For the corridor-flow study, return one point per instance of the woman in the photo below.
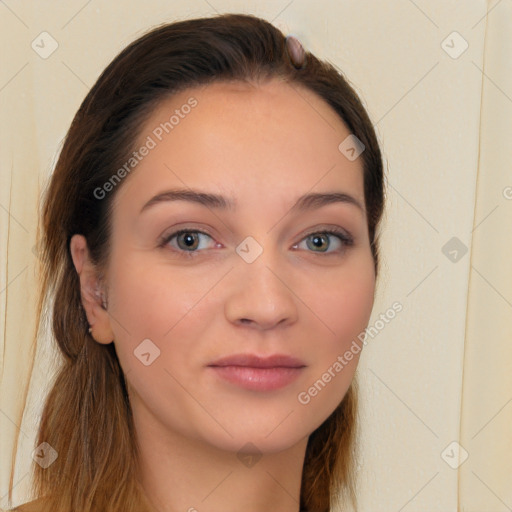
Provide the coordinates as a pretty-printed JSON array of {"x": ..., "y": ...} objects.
[{"x": 210, "y": 254}]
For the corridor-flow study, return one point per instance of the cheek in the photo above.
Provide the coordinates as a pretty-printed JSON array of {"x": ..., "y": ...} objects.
[
  {"x": 155, "y": 303},
  {"x": 344, "y": 303},
  {"x": 148, "y": 299},
  {"x": 351, "y": 305}
]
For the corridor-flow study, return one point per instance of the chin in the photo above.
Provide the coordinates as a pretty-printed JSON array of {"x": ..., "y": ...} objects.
[
  {"x": 256, "y": 443},
  {"x": 263, "y": 437}
]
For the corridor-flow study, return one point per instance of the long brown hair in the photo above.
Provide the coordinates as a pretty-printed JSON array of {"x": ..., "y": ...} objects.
[{"x": 87, "y": 416}]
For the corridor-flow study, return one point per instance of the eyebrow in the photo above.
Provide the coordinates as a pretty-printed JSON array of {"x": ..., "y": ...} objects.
[{"x": 305, "y": 202}]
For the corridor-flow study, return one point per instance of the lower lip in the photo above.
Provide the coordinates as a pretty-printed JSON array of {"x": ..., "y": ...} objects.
[{"x": 258, "y": 379}]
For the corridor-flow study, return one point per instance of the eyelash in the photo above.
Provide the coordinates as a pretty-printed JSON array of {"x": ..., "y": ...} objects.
[{"x": 345, "y": 238}]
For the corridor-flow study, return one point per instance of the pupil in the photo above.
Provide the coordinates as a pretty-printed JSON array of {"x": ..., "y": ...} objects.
[
  {"x": 189, "y": 240},
  {"x": 317, "y": 240}
]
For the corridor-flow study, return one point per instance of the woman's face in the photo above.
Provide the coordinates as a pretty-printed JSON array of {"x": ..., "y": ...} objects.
[{"x": 259, "y": 277}]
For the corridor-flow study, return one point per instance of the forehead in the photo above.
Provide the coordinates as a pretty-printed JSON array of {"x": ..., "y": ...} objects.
[{"x": 244, "y": 139}]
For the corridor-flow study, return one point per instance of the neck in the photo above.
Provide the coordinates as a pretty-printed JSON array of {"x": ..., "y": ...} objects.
[{"x": 180, "y": 474}]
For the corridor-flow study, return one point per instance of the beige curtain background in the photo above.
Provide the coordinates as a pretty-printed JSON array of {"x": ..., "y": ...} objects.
[{"x": 436, "y": 77}]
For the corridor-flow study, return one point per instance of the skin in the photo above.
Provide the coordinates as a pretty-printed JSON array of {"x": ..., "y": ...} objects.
[{"x": 262, "y": 145}]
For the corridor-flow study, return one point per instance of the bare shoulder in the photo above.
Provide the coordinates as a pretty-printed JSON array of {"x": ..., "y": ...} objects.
[{"x": 31, "y": 506}]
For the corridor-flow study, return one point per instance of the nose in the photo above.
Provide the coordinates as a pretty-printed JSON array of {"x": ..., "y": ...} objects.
[{"x": 262, "y": 294}]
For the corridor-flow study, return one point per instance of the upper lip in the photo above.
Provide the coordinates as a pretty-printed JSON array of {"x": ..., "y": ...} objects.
[{"x": 255, "y": 361}]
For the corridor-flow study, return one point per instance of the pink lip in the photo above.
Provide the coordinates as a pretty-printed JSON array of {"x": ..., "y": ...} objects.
[
  {"x": 250, "y": 371},
  {"x": 254, "y": 361}
]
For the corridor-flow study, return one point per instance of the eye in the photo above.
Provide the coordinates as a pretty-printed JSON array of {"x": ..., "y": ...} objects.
[
  {"x": 187, "y": 240},
  {"x": 320, "y": 241}
]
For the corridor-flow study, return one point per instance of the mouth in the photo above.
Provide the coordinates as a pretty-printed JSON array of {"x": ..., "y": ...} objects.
[{"x": 256, "y": 373}]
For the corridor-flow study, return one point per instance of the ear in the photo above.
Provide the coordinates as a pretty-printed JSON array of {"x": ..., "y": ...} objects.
[{"x": 93, "y": 297}]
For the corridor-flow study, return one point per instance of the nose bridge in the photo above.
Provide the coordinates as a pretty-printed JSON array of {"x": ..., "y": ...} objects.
[{"x": 260, "y": 292}]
